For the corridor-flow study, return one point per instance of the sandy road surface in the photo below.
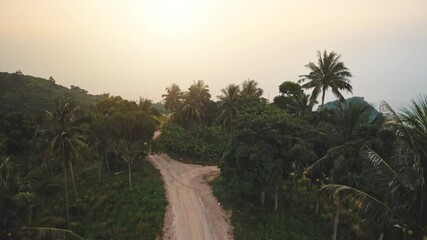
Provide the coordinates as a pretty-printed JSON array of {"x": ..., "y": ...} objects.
[{"x": 193, "y": 212}]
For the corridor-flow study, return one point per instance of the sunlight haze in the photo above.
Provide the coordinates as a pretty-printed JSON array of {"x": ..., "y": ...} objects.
[{"x": 138, "y": 48}]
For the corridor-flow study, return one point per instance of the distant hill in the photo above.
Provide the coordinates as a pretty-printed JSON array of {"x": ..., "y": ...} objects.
[
  {"x": 374, "y": 114},
  {"x": 32, "y": 95}
]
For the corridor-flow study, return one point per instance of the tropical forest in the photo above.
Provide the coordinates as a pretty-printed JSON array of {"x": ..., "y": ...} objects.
[{"x": 75, "y": 165}]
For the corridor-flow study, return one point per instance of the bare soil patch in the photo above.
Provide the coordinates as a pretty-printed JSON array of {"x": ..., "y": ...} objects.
[{"x": 193, "y": 212}]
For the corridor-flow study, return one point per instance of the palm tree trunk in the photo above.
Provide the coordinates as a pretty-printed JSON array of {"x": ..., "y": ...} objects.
[
  {"x": 130, "y": 174},
  {"x": 107, "y": 163},
  {"x": 317, "y": 207},
  {"x": 337, "y": 218},
  {"x": 73, "y": 180},
  {"x": 67, "y": 204},
  {"x": 46, "y": 167},
  {"x": 99, "y": 172},
  {"x": 323, "y": 98},
  {"x": 262, "y": 198},
  {"x": 381, "y": 236},
  {"x": 276, "y": 197}
]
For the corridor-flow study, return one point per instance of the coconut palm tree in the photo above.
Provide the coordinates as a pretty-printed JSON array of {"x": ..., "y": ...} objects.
[
  {"x": 329, "y": 73},
  {"x": 300, "y": 106},
  {"x": 173, "y": 98},
  {"x": 229, "y": 104},
  {"x": 16, "y": 201},
  {"x": 66, "y": 140},
  {"x": 414, "y": 120},
  {"x": 402, "y": 177},
  {"x": 199, "y": 91},
  {"x": 195, "y": 104},
  {"x": 15, "y": 198},
  {"x": 250, "y": 89},
  {"x": 344, "y": 156},
  {"x": 191, "y": 112}
]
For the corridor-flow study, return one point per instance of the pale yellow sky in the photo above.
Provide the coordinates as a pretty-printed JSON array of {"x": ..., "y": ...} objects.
[{"x": 137, "y": 48}]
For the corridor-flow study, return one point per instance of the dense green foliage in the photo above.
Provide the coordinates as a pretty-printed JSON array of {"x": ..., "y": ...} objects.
[
  {"x": 293, "y": 220},
  {"x": 350, "y": 156},
  {"x": 51, "y": 136},
  {"x": 201, "y": 144},
  {"x": 287, "y": 172},
  {"x": 261, "y": 152},
  {"x": 109, "y": 209}
]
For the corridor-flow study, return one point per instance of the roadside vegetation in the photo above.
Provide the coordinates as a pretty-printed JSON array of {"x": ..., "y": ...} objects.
[
  {"x": 74, "y": 167},
  {"x": 289, "y": 170}
]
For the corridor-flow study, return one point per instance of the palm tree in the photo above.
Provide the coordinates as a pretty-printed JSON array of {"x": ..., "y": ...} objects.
[
  {"x": 199, "y": 91},
  {"x": 330, "y": 73},
  {"x": 173, "y": 98},
  {"x": 195, "y": 104},
  {"x": 229, "y": 104},
  {"x": 15, "y": 198},
  {"x": 66, "y": 140},
  {"x": 345, "y": 155},
  {"x": 144, "y": 104},
  {"x": 40, "y": 149},
  {"x": 192, "y": 111},
  {"x": 251, "y": 90},
  {"x": 299, "y": 106},
  {"x": 402, "y": 177},
  {"x": 414, "y": 119},
  {"x": 16, "y": 201}
]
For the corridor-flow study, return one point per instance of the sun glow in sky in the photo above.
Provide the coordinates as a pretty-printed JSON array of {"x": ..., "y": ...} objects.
[
  {"x": 137, "y": 48},
  {"x": 169, "y": 16}
]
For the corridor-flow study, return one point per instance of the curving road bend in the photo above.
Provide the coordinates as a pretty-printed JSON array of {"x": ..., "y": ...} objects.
[{"x": 193, "y": 213}]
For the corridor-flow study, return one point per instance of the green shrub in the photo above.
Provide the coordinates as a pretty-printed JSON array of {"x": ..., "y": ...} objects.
[{"x": 200, "y": 144}]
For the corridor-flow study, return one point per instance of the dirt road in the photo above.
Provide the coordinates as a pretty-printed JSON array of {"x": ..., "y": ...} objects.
[{"x": 193, "y": 212}]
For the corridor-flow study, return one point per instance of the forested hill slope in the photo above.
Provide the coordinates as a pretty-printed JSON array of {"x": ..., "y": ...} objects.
[{"x": 32, "y": 95}]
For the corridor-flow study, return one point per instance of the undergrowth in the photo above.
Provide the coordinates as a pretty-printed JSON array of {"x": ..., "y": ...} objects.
[
  {"x": 110, "y": 209},
  {"x": 291, "y": 221}
]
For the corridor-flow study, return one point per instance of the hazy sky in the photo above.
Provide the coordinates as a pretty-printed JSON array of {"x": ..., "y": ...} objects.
[{"x": 137, "y": 48}]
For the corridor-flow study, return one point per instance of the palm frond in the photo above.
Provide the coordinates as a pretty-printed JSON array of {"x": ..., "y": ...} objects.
[
  {"x": 377, "y": 213},
  {"x": 332, "y": 154},
  {"x": 46, "y": 233},
  {"x": 400, "y": 183},
  {"x": 23, "y": 199},
  {"x": 317, "y": 164},
  {"x": 378, "y": 161}
]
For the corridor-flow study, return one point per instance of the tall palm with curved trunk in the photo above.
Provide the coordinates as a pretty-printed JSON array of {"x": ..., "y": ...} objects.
[
  {"x": 250, "y": 89},
  {"x": 66, "y": 140},
  {"x": 229, "y": 103},
  {"x": 173, "y": 98},
  {"x": 329, "y": 73}
]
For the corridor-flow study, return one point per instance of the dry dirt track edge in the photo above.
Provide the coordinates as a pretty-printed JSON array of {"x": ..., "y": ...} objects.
[{"x": 193, "y": 213}]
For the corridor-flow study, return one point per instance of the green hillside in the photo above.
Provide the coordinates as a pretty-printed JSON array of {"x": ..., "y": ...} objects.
[
  {"x": 39, "y": 152},
  {"x": 32, "y": 95}
]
